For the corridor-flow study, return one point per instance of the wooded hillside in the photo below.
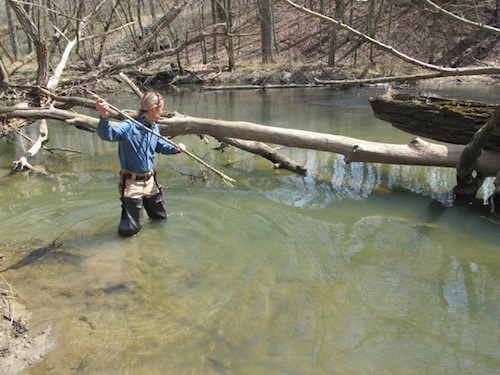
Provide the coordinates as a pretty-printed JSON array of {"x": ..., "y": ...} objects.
[{"x": 239, "y": 35}]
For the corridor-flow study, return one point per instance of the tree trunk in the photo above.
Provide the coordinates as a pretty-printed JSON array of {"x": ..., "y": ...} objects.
[
  {"x": 279, "y": 161},
  {"x": 467, "y": 184},
  {"x": 339, "y": 14},
  {"x": 13, "y": 32},
  {"x": 266, "y": 30},
  {"x": 446, "y": 120},
  {"x": 36, "y": 37},
  {"x": 497, "y": 11},
  {"x": 417, "y": 152},
  {"x": 4, "y": 76},
  {"x": 216, "y": 19},
  {"x": 22, "y": 163},
  {"x": 228, "y": 38}
]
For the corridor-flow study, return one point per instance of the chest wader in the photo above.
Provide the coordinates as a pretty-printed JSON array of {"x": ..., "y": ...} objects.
[{"x": 132, "y": 217}]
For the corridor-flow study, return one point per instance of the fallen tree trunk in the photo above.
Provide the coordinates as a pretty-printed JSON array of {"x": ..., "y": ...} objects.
[
  {"x": 447, "y": 120},
  {"x": 467, "y": 184},
  {"x": 279, "y": 161},
  {"x": 417, "y": 152},
  {"x": 402, "y": 78}
]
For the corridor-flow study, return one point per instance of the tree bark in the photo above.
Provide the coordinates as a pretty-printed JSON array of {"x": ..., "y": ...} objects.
[
  {"x": 279, "y": 161},
  {"x": 4, "y": 76},
  {"x": 334, "y": 33},
  {"x": 497, "y": 11},
  {"x": 13, "y": 32},
  {"x": 36, "y": 37},
  {"x": 266, "y": 30},
  {"x": 445, "y": 120},
  {"x": 494, "y": 198},
  {"x": 467, "y": 184}
]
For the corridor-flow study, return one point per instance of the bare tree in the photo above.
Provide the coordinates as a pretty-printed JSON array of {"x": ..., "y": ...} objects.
[
  {"x": 222, "y": 18},
  {"x": 12, "y": 32},
  {"x": 156, "y": 29},
  {"x": 339, "y": 14},
  {"x": 217, "y": 19},
  {"x": 497, "y": 11},
  {"x": 490, "y": 29},
  {"x": 443, "y": 70},
  {"x": 265, "y": 10},
  {"x": 36, "y": 36},
  {"x": 228, "y": 38}
]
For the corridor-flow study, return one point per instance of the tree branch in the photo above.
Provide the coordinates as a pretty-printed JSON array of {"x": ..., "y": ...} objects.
[
  {"x": 22, "y": 163},
  {"x": 417, "y": 152},
  {"x": 390, "y": 49},
  {"x": 490, "y": 29}
]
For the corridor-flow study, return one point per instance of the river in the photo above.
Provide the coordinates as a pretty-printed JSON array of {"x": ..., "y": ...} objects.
[{"x": 354, "y": 269}]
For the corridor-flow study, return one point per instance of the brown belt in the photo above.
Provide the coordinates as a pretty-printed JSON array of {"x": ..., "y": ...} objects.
[{"x": 136, "y": 176}]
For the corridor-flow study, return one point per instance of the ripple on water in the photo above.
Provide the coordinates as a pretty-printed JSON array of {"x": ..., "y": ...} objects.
[{"x": 242, "y": 283}]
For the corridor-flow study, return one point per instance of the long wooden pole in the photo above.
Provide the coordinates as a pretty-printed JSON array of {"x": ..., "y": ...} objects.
[{"x": 227, "y": 180}]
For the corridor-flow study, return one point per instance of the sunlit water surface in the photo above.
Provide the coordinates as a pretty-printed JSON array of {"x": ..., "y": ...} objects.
[{"x": 356, "y": 269}]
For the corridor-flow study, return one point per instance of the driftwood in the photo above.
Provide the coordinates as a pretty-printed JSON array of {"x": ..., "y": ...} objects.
[
  {"x": 453, "y": 121},
  {"x": 279, "y": 160},
  {"x": 467, "y": 183},
  {"x": 417, "y": 152},
  {"x": 22, "y": 163},
  {"x": 445, "y": 120}
]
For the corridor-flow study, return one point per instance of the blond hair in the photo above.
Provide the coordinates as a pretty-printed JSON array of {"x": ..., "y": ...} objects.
[{"x": 150, "y": 100}]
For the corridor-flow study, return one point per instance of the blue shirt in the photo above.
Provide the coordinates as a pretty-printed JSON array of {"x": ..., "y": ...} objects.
[{"x": 137, "y": 148}]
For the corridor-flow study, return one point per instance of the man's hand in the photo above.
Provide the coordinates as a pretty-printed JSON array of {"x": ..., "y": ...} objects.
[{"x": 102, "y": 107}]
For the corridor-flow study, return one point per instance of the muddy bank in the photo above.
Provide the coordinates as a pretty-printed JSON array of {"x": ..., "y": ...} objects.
[{"x": 20, "y": 347}]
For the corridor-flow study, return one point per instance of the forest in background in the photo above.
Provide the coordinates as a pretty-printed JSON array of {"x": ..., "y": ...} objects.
[{"x": 238, "y": 36}]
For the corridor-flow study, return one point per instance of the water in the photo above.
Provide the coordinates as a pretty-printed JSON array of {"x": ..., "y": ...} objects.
[{"x": 355, "y": 269}]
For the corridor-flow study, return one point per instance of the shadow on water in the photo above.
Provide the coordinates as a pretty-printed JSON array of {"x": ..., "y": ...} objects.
[{"x": 52, "y": 253}]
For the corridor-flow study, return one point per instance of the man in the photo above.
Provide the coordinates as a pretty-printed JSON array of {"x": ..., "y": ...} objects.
[{"x": 137, "y": 149}]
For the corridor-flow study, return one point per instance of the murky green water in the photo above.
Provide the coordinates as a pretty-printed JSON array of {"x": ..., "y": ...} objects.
[{"x": 358, "y": 269}]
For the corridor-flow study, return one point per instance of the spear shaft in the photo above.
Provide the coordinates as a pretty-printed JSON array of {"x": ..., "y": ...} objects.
[{"x": 228, "y": 180}]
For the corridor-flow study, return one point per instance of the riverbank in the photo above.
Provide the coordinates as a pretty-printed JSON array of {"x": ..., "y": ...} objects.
[
  {"x": 310, "y": 75},
  {"x": 288, "y": 75},
  {"x": 20, "y": 347}
]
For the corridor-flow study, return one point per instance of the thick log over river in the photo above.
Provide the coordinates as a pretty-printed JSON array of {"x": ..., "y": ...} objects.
[{"x": 354, "y": 268}]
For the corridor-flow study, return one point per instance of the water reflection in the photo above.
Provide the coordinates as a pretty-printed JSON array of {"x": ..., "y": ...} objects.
[
  {"x": 357, "y": 181},
  {"x": 357, "y": 268}
]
